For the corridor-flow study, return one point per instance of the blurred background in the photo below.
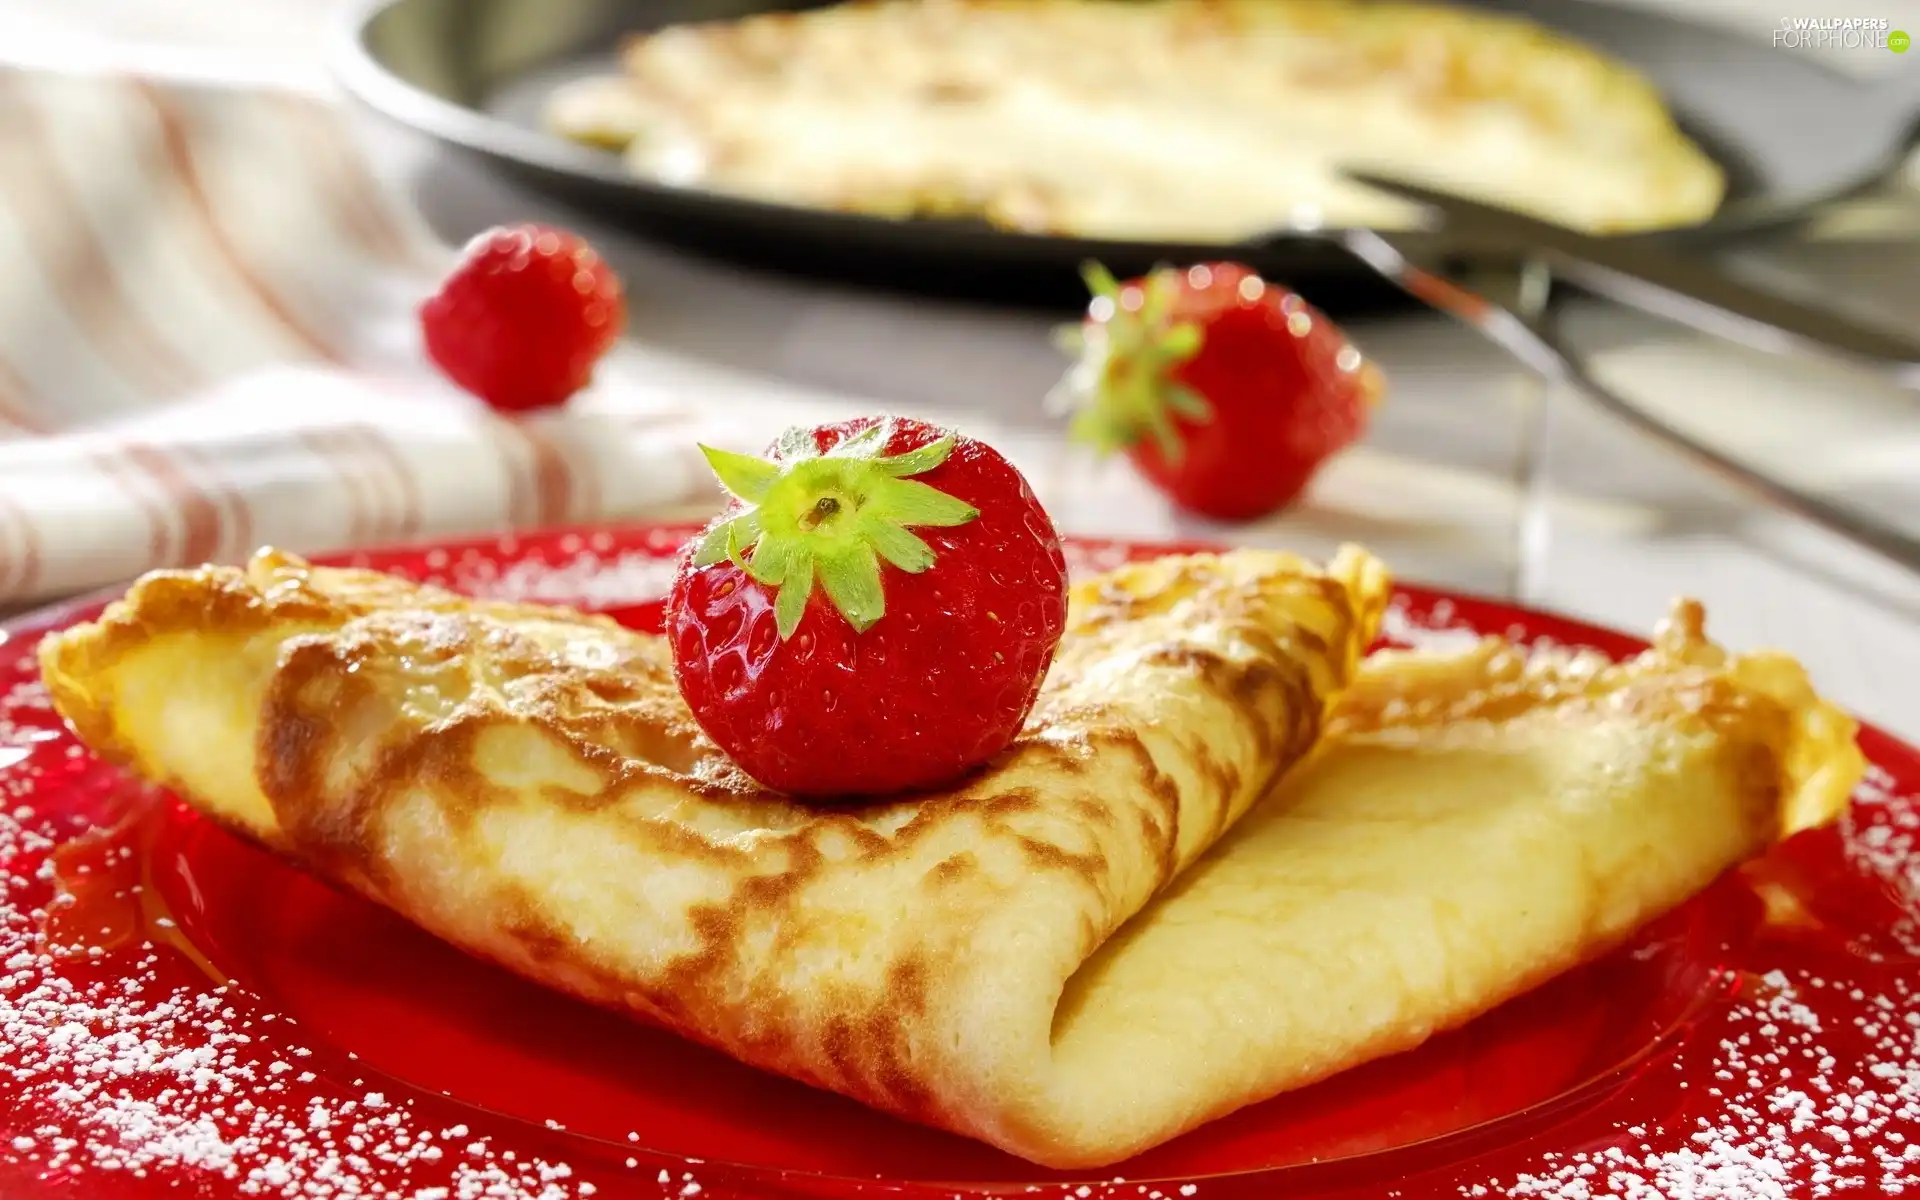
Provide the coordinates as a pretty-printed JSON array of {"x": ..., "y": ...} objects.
[{"x": 218, "y": 216}]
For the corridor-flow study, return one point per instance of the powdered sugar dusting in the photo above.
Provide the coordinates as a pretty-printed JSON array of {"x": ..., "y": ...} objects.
[
  {"x": 585, "y": 579},
  {"x": 1800, "y": 1107},
  {"x": 1797, "y": 1112},
  {"x": 1089, "y": 558},
  {"x": 110, "y": 1065},
  {"x": 588, "y": 570},
  {"x": 124, "y": 1074},
  {"x": 1879, "y": 832},
  {"x": 1432, "y": 631},
  {"x": 26, "y": 696}
]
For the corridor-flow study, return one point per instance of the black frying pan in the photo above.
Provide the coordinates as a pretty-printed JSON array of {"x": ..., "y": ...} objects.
[{"x": 1790, "y": 132}]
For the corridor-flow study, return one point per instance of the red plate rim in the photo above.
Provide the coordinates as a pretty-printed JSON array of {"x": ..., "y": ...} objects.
[
  {"x": 1577, "y": 631},
  {"x": 69, "y": 609}
]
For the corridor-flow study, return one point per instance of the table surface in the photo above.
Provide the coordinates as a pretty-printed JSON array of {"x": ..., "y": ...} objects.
[{"x": 1476, "y": 475}]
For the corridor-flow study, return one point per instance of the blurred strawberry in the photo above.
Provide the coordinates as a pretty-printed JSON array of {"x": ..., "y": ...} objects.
[
  {"x": 1227, "y": 391},
  {"x": 524, "y": 317}
]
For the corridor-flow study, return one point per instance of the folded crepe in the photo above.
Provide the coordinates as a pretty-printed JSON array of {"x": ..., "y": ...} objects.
[
  {"x": 1472, "y": 824},
  {"x": 1046, "y": 956},
  {"x": 527, "y": 784}
]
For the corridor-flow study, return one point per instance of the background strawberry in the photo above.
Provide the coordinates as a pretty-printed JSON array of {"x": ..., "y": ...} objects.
[
  {"x": 1226, "y": 390},
  {"x": 873, "y": 613},
  {"x": 524, "y": 317}
]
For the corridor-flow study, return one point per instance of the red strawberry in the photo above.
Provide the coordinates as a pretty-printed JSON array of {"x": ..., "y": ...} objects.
[
  {"x": 1227, "y": 391},
  {"x": 524, "y": 317},
  {"x": 829, "y": 648}
]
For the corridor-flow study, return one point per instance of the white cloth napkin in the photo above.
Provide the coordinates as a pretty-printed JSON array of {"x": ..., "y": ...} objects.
[{"x": 207, "y": 342}]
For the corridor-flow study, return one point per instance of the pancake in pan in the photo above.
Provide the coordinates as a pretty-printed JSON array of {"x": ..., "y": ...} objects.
[{"x": 1158, "y": 120}]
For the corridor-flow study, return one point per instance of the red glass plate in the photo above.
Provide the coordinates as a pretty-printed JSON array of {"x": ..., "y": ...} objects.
[{"x": 180, "y": 1015}]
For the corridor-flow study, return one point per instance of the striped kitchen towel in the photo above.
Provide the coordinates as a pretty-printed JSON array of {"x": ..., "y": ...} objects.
[{"x": 207, "y": 343}]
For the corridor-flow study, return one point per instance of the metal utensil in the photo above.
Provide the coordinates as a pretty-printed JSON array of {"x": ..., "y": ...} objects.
[
  {"x": 1651, "y": 275},
  {"x": 1529, "y": 343}
]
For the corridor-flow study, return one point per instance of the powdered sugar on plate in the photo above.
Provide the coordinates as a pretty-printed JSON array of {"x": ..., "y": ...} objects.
[
  {"x": 1801, "y": 1105},
  {"x": 124, "y": 1075},
  {"x": 1438, "y": 630},
  {"x": 583, "y": 570},
  {"x": 1795, "y": 1118},
  {"x": 1087, "y": 558},
  {"x": 1880, "y": 831},
  {"x": 585, "y": 579},
  {"x": 109, "y": 1069}
]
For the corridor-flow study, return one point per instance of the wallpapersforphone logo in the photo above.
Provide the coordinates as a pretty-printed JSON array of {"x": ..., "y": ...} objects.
[{"x": 1841, "y": 33}]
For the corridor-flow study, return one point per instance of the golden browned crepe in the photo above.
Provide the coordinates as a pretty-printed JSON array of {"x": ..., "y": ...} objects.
[
  {"x": 1472, "y": 824},
  {"x": 1048, "y": 957},
  {"x": 1195, "y": 120},
  {"x": 527, "y": 783}
]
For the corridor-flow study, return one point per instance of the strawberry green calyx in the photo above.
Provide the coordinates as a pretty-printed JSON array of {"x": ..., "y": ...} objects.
[
  {"x": 1122, "y": 388},
  {"x": 829, "y": 519}
]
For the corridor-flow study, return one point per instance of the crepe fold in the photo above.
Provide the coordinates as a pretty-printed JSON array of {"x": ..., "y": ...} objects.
[
  {"x": 527, "y": 784},
  {"x": 1471, "y": 824}
]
